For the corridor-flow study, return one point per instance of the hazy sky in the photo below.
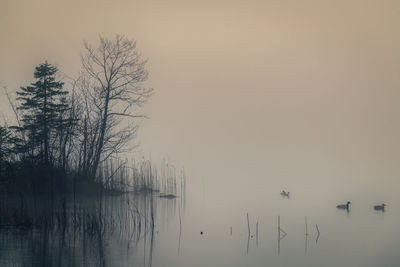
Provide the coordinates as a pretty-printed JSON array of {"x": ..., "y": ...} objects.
[{"x": 243, "y": 89}]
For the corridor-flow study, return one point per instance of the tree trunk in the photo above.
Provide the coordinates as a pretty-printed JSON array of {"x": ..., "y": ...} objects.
[
  {"x": 100, "y": 142},
  {"x": 45, "y": 131}
]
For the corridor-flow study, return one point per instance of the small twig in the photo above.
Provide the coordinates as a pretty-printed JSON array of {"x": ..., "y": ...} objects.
[
  {"x": 306, "y": 226},
  {"x": 257, "y": 233},
  {"x": 280, "y": 230},
  {"x": 248, "y": 224}
]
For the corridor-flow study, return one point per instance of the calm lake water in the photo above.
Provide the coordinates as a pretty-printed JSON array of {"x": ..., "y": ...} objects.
[{"x": 362, "y": 237}]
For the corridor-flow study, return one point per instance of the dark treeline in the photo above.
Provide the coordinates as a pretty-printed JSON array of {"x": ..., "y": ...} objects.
[{"x": 66, "y": 132}]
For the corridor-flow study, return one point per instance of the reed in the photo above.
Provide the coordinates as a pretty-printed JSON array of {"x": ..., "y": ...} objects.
[{"x": 142, "y": 177}]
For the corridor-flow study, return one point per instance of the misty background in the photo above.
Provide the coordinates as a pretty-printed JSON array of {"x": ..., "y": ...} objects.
[{"x": 248, "y": 94}]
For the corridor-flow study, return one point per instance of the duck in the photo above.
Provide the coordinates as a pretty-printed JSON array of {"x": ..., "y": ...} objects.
[
  {"x": 344, "y": 206},
  {"x": 285, "y": 194},
  {"x": 380, "y": 207}
]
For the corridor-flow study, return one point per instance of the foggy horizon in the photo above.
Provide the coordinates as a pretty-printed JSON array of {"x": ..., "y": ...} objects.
[{"x": 249, "y": 96}]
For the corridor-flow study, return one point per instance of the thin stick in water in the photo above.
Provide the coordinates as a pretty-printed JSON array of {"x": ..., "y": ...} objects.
[
  {"x": 306, "y": 226},
  {"x": 248, "y": 236},
  {"x": 257, "y": 233},
  {"x": 248, "y": 224}
]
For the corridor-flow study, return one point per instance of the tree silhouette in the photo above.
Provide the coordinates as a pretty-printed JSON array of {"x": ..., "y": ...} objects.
[
  {"x": 112, "y": 88},
  {"x": 5, "y": 148},
  {"x": 42, "y": 104}
]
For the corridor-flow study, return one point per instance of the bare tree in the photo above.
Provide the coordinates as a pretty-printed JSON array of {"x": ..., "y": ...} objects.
[{"x": 111, "y": 84}]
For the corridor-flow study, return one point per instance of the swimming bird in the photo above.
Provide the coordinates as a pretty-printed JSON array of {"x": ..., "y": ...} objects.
[
  {"x": 380, "y": 207},
  {"x": 344, "y": 206},
  {"x": 285, "y": 194}
]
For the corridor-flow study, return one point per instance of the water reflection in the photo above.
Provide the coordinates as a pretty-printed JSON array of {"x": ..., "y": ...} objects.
[
  {"x": 306, "y": 236},
  {"x": 281, "y": 234},
  {"x": 318, "y": 233},
  {"x": 87, "y": 232},
  {"x": 139, "y": 230}
]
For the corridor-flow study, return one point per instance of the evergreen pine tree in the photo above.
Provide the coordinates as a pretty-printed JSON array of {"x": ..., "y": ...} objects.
[{"x": 42, "y": 103}]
